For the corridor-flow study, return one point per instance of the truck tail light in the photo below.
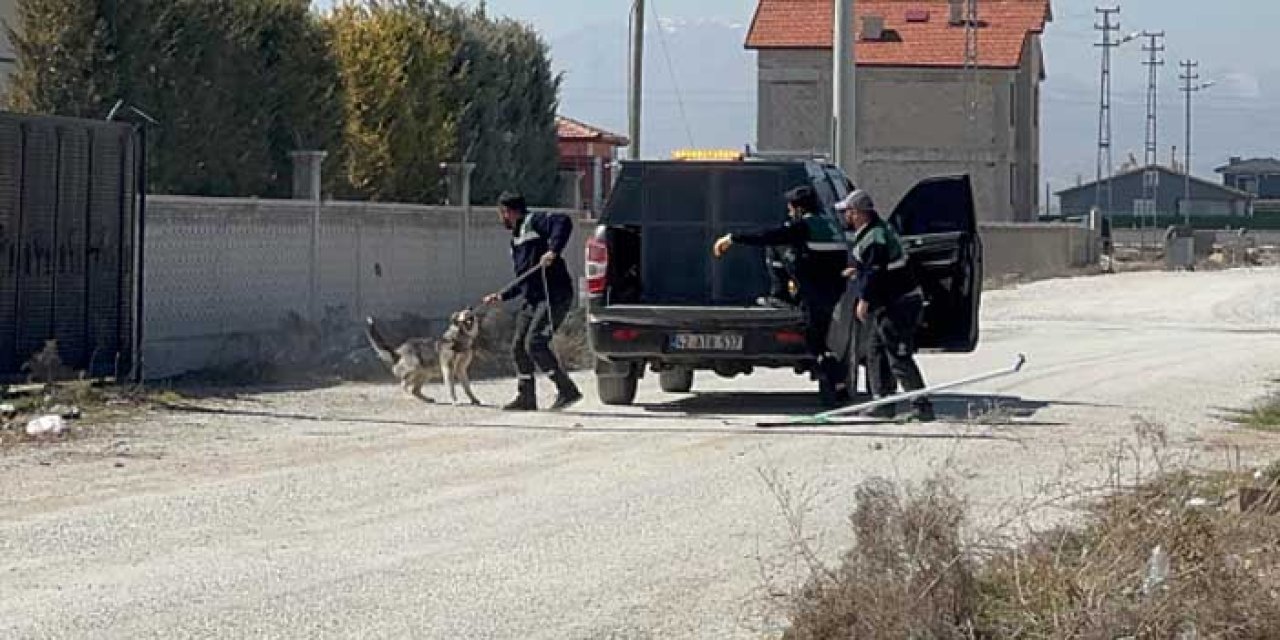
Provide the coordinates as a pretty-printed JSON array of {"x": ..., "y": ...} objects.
[
  {"x": 626, "y": 335},
  {"x": 789, "y": 337},
  {"x": 597, "y": 266}
]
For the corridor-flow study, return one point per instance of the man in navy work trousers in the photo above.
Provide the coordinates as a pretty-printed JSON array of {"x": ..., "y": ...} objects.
[
  {"x": 821, "y": 255},
  {"x": 890, "y": 300},
  {"x": 537, "y": 240}
]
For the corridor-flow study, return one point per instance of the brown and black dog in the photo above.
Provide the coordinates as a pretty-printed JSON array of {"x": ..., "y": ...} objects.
[{"x": 454, "y": 351}]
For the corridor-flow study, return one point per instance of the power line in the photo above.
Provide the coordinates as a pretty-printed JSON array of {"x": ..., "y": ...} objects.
[{"x": 671, "y": 69}]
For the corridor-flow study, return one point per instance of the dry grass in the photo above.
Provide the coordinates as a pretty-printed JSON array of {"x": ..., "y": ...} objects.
[
  {"x": 1263, "y": 417},
  {"x": 1099, "y": 580},
  {"x": 909, "y": 574},
  {"x": 96, "y": 403}
]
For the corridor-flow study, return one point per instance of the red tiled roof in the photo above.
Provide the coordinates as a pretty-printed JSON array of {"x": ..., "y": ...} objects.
[
  {"x": 568, "y": 129},
  {"x": 806, "y": 24}
]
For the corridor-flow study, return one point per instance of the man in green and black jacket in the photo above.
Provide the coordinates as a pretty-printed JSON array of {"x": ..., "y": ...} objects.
[
  {"x": 821, "y": 255},
  {"x": 890, "y": 299}
]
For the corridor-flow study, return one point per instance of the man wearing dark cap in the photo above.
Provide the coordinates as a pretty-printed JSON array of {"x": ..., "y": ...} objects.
[
  {"x": 890, "y": 301},
  {"x": 821, "y": 255},
  {"x": 537, "y": 241}
]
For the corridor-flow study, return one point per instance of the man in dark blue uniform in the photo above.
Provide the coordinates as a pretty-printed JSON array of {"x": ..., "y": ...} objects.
[
  {"x": 537, "y": 240},
  {"x": 821, "y": 255},
  {"x": 890, "y": 304}
]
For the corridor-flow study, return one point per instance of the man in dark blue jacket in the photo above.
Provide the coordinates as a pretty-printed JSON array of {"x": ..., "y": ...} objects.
[
  {"x": 890, "y": 300},
  {"x": 537, "y": 241}
]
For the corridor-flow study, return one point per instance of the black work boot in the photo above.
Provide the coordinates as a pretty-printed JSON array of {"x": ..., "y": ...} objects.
[
  {"x": 526, "y": 399},
  {"x": 567, "y": 392},
  {"x": 884, "y": 412},
  {"x": 922, "y": 411}
]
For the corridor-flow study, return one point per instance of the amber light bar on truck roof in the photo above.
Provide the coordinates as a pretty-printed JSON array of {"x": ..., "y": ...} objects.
[{"x": 714, "y": 155}]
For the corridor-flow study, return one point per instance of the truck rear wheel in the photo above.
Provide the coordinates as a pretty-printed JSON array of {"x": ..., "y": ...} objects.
[
  {"x": 616, "y": 386},
  {"x": 678, "y": 380}
]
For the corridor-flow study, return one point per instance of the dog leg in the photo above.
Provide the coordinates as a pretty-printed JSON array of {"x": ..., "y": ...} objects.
[
  {"x": 464, "y": 374},
  {"x": 414, "y": 388},
  {"x": 446, "y": 370}
]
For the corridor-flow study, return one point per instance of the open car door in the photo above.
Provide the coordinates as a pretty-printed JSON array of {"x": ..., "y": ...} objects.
[{"x": 939, "y": 229}]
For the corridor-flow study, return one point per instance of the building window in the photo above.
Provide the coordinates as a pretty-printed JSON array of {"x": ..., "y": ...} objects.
[
  {"x": 1035, "y": 105},
  {"x": 1013, "y": 185},
  {"x": 1013, "y": 104},
  {"x": 1143, "y": 207}
]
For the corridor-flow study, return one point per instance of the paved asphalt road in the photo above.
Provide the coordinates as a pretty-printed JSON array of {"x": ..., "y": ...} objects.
[{"x": 354, "y": 512}]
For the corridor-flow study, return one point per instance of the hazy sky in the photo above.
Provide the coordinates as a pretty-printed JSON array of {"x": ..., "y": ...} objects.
[{"x": 1229, "y": 37}]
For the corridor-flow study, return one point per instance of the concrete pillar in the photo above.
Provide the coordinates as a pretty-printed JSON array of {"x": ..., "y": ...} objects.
[
  {"x": 307, "y": 174},
  {"x": 458, "y": 193},
  {"x": 597, "y": 186}
]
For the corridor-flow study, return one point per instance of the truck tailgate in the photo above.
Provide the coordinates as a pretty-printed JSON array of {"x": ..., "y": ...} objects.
[{"x": 688, "y": 317}]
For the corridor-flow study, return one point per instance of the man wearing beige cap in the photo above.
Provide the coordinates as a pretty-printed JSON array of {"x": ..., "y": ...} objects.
[{"x": 889, "y": 299}]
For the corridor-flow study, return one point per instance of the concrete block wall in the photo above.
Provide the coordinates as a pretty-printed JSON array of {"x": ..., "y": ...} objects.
[
  {"x": 222, "y": 272},
  {"x": 1040, "y": 250}
]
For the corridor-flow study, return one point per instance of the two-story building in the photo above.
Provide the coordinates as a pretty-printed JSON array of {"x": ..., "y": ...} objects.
[
  {"x": 928, "y": 104},
  {"x": 1258, "y": 176}
]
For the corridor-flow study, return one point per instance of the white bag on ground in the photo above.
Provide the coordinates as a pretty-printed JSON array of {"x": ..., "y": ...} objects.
[{"x": 47, "y": 426}]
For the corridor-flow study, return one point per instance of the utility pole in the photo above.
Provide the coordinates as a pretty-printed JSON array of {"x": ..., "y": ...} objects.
[
  {"x": 1191, "y": 85},
  {"x": 1151, "y": 175},
  {"x": 844, "y": 89},
  {"x": 636, "y": 86},
  {"x": 1110, "y": 26}
]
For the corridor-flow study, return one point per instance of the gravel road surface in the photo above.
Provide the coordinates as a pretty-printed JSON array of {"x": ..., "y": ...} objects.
[{"x": 355, "y": 512}]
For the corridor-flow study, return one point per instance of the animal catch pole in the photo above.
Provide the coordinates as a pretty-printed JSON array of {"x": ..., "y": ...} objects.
[{"x": 826, "y": 418}]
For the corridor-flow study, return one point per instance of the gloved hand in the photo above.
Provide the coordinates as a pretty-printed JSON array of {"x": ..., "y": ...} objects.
[{"x": 722, "y": 246}]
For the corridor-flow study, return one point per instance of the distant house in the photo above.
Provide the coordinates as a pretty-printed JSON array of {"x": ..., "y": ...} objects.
[
  {"x": 922, "y": 109},
  {"x": 587, "y": 155},
  {"x": 1259, "y": 176},
  {"x": 1127, "y": 196}
]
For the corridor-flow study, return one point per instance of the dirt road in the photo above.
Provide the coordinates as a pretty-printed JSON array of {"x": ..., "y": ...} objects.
[{"x": 354, "y": 512}]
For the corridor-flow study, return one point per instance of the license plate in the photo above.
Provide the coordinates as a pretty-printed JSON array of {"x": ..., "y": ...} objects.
[{"x": 706, "y": 342}]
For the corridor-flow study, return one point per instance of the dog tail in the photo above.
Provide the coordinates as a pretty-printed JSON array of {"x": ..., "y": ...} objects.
[{"x": 385, "y": 352}]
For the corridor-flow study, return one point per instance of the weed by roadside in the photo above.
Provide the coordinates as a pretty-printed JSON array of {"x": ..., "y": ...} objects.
[
  {"x": 1265, "y": 416},
  {"x": 90, "y": 403},
  {"x": 1179, "y": 555}
]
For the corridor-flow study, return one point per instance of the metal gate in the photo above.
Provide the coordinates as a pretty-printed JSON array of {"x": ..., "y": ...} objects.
[{"x": 70, "y": 214}]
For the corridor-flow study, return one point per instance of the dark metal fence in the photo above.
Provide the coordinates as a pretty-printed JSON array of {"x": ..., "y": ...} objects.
[{"x": 70, "y": 271}]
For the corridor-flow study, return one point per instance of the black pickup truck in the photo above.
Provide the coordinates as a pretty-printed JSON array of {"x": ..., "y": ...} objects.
[{"x": 657, "y": 299}]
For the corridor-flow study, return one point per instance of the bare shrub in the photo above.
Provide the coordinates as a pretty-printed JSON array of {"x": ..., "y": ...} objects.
[
  {"x": 46, "y": 366},
  {"x": 907, "y": 575},
  {"x": 1089, "y": 582}
]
